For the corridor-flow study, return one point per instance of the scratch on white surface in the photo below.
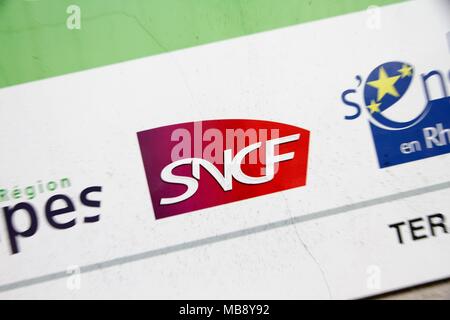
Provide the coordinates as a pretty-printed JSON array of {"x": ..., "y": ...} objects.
[{"x": 294, "y": 225}]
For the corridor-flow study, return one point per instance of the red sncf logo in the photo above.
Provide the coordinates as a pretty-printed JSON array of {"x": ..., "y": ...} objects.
[{"x": 197, "y": 165}]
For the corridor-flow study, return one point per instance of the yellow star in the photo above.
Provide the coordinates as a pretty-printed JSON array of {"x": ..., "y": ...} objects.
[
  {"x": 406, "y": 71},
  {"x": 384, "y": 84},
  {"x": 374, "y": 107}
]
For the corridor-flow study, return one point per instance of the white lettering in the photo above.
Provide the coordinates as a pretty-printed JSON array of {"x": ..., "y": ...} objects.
[{"x": 232, "y": 169}]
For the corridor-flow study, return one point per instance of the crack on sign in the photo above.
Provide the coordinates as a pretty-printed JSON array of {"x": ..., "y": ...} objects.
[
  {"x": 146, "y": 30},
  {"x": 317, "y": 263},
  {"x": 242, "y": 17},
  {"x": 89, "y": 18},
  {"x": 185, "y": 81},
  {"x": 164, "y": 48},
  {"x": 37, "y": 61}
]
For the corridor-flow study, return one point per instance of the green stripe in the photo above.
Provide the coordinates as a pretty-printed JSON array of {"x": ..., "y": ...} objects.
[{"x": 36, "y": 44}]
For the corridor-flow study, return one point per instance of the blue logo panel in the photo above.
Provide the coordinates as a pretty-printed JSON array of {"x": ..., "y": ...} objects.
[
  {"x": 396, "y": 142},
  {"x": 428, "y": 138}
]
